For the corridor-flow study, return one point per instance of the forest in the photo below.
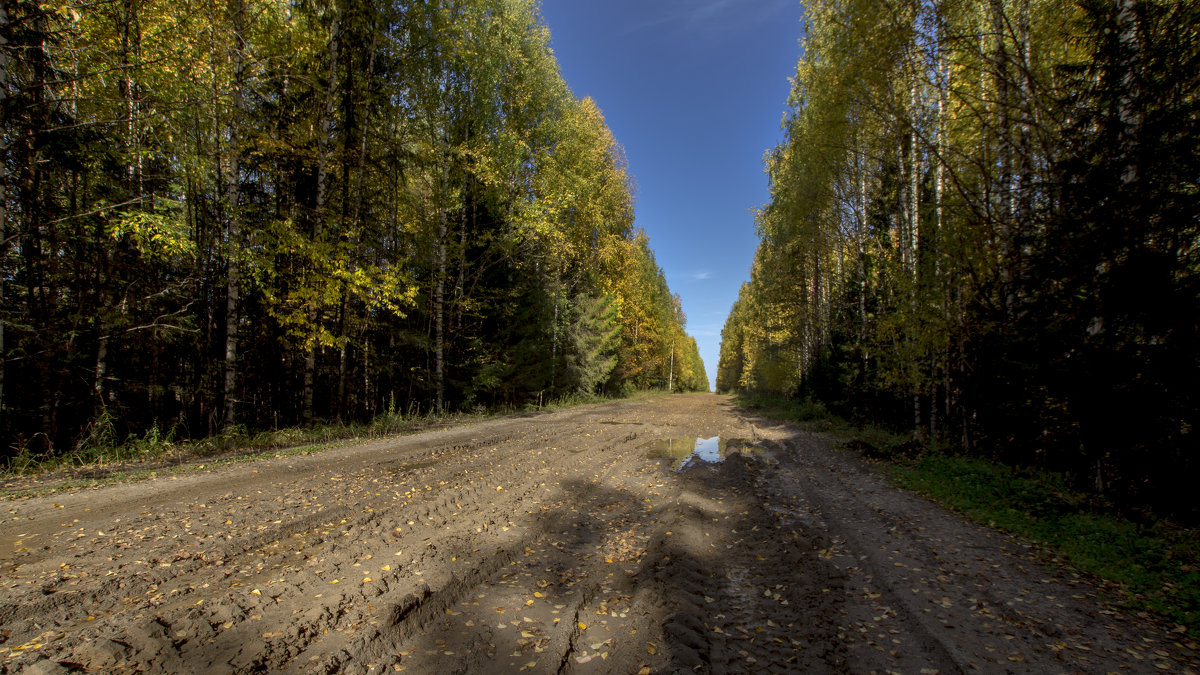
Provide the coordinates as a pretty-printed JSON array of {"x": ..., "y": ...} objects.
[
  {"x": 221, "y": 215},
  {"x": 983, "y": 231}
]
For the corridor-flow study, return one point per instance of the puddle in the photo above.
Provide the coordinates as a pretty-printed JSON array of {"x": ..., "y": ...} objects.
[{"x": 685, "y": 450}]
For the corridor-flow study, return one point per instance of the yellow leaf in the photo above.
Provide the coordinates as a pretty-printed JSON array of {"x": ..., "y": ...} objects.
[
  {"x": 582, "y": 626},
  {"x": 256, "y": 592}
]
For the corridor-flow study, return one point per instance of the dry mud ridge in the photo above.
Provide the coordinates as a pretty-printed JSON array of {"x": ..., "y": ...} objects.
[{"x": 585, "y": 540}]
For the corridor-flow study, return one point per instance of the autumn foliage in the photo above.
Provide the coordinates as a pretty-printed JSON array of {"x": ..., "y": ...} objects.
[
  {"x": 222, "y": 215},
  {"x": 982, "y": 230}
]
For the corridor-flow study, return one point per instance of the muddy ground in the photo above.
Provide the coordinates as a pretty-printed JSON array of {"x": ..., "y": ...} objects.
[{"x": 564, "y": 542}]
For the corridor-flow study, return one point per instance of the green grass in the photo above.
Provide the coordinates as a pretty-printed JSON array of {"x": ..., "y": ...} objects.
[
  {"x": 99, "y": 450},
  {"x": 100, "y": 459},
  {"x": 807, "y": 411},
  {"x": 133, "y": 472},
  {"x": 1151, "y": 566},
  {"x": 1156, "y": 566},
  {"x": 573, "y": 400}
]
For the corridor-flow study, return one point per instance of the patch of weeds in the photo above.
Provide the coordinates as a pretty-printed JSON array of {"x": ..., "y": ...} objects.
[
  {"x": 1156, "y": 565},
  {"x": 100, "y": 459},
  {"x": 24, "y": 460},
  {"x": 776, "y": 407},
  {"x": 577, "y": 399},
  {"x": 813, "y": 415}
]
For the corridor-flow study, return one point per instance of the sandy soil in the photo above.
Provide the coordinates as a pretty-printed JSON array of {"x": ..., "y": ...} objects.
[{"x": 549, "y": 543}]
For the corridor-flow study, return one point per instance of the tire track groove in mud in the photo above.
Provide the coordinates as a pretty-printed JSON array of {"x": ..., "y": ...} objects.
[
  {"x": 934, "y": 650},
  {"x": 543, "y": 544}
]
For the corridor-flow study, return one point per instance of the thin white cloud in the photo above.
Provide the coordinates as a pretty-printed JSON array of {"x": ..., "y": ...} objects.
[
  {"x": 701, "y": 275},
  {"x": 686, "y": 15}
]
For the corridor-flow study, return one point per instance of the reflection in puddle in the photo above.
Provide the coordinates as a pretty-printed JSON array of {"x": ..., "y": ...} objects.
[{"x": 685, "y": 450}]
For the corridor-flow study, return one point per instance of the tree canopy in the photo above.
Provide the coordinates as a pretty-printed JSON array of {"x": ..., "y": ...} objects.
[
  {"x": 983, "y": 229},
  {"x": 235, "y": 214}
]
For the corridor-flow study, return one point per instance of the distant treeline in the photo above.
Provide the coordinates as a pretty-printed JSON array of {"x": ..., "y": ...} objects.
[
  {"x": 984, "y": 228},
  {"x": 246, "y": 213}
]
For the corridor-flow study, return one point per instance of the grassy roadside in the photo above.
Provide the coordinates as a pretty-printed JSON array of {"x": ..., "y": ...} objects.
[
  {"x": 101, "y": 461},
  {"x": 1150, "y": 567}
]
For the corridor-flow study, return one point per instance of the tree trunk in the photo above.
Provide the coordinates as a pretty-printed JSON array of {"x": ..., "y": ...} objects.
[
  {"x": 914, "y": 186},
  {"x": 1022, "y": 194},
  {"x": 671, "y": 376},
  {"x": 233, "y": 219},
  {"x": 4, "y": 241},
  {"x": 1005, "y": 221},
  {"x": 310, "y": 369},
  {"x": 861, "y": 240},
  {"x": 1127, "y": 36},
  {"x": 3, "y": 248},
  {"x": 357, "y": 219},
  {"x": 913, "y": 246},
  {"x": 324, "y": 132},
  {"x": 439, "y": 297},
  {"x": 554, "y": 333},
  {"x": 343, "y": 343},
  {"x": 942, "y": 149},
  {"x": 101, "y": 370}
]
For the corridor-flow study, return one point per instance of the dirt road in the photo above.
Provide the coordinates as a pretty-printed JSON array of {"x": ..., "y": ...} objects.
[{"x": 577, "y": 541}]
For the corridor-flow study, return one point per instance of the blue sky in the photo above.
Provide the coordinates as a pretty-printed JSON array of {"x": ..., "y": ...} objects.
[{"x": 694, "y": 90}]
